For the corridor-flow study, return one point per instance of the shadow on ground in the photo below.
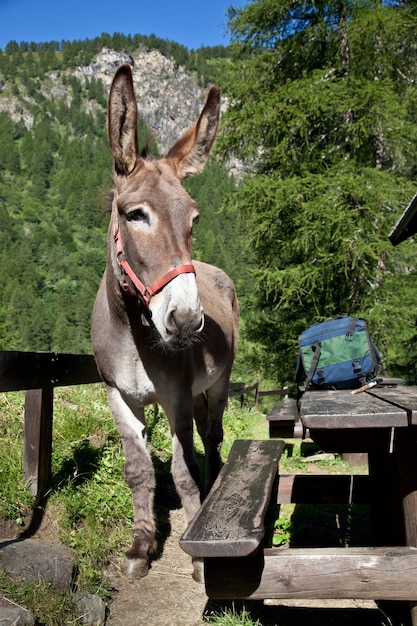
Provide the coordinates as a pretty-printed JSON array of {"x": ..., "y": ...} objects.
[{"x": 385, "y": 614}]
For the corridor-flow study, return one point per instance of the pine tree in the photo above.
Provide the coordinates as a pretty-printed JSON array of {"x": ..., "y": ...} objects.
[{"x": 322, "y": 109}]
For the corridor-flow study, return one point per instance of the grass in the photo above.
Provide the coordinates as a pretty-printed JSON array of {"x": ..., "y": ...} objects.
[
  {"x": 90, "y": 502},
  {"x": 45, "y": 604}
]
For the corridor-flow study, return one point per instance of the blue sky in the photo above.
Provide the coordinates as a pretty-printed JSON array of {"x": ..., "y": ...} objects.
[{"x": 189, "y": 22}]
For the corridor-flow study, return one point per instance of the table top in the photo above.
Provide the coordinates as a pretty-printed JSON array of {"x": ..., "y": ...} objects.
[{"x": 380, "y": 407}]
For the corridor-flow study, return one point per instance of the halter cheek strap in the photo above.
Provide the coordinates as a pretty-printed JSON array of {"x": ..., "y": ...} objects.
[{"x": 144, "y": 292}]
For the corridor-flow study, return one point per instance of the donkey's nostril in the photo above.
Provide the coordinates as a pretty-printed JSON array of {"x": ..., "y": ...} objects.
[
  {"x": 183, "y": 320},
  {"x": 201, "y": 326}
]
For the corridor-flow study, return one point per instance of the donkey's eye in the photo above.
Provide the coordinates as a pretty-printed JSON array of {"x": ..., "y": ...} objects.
[{"x": 137, "y": 215}]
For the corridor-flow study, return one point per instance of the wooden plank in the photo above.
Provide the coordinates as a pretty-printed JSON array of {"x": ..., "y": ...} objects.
[
  {"x": 341, "y": 410},
  {"x": 237, "y": 389},
  {"x": 231, "y": 519},
  {"x": 403, "y": 397},
  {"x": 285, "y": 408},
  {"x": 282, "y": 418},
  {"x": 273, "y": 392},
  {"x": 323, "y": 489},
  {"x": 37, "y": 449},
  {"x": 282, "y": 429},
  {"x": 328, "y": 573},
  {"x": 35, "y": 370}
]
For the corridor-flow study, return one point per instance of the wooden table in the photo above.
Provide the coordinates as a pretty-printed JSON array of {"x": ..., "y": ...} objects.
[{"x": 382, "y": 423}]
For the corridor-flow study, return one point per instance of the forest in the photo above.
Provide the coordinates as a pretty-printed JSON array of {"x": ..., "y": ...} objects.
[{"x": 322, "y": 112}]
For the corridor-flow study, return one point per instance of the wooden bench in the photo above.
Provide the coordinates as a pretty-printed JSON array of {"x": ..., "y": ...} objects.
[
  {"x": 230, "y": 522},
  {"x": 283, "y": 419},
  {"x": 230, "y": 526}
]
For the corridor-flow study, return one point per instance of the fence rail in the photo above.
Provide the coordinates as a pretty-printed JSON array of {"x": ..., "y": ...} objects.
[
  {"x": 37, "y": 370},
  {"x": 38, "y": 373},
  {"x": 240, "y": 389}
]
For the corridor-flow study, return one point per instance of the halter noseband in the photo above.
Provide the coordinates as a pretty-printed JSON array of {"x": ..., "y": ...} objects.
[{"x": 144, "y": 292}]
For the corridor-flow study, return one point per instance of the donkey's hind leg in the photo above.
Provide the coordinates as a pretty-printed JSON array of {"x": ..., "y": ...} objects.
[
  {"x": 140, "y": 477},
  {"x": 184, "y": 468},
  {"x": 208, "y": 414}
]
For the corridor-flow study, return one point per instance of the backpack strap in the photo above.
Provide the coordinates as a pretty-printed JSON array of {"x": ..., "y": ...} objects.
[
  {"x": 351, "y": 330},
  {"x": 316, "y": 346}
]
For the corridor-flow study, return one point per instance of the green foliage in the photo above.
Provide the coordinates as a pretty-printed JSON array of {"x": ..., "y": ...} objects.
[
  {"x": 35, "y": 59},
  {"x": 234, "y": 617},
  {"x": 322, "y": 106},
  {"x": 282, "y": 532}
]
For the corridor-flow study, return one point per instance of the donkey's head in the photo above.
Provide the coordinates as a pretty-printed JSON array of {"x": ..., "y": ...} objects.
[{"x": 153, "y": 215}]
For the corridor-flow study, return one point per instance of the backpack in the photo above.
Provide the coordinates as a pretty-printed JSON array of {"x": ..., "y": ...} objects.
[{"x": 337, "y": 354}]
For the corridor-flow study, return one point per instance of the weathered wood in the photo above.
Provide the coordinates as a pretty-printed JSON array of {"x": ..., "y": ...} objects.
[
  {"x": 358, "y": 573},
  {"x": 342, "y": 410},
  {"x": 403, "y": 397},
  {"x": 405, "y": 452},
  {"x": 282, "y": 418},
  {"x": 37, "y": 449},
  {"x": 323, "y": 489},
  {"x": 231, "y": 519},
  {"x": 352, "y": 440},
  {"x": 240, "y": 389},
  {"x": 355, "y": 458},
  {"x": 39, "y": 373},
  {"x": 34, "y": 370},
  {"x": 273, "y": 392}
]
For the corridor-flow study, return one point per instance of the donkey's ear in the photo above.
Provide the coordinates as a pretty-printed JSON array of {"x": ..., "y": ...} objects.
[
  {"x": 122, "y": 121},
  {"x": 190, "y": 153}
]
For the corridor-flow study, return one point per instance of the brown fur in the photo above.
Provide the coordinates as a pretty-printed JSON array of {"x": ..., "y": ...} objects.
[{"x": 178, "y": 353}]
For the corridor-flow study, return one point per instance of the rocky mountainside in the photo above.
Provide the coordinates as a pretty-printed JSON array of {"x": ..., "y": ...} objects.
[{"x": 169, "y": 98}]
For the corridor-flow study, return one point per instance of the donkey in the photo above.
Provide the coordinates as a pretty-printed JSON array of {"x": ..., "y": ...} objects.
[{"x": 164, "y": 327}]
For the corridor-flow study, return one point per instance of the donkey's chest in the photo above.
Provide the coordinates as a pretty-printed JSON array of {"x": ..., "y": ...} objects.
[{"x": 155, "y": 379}]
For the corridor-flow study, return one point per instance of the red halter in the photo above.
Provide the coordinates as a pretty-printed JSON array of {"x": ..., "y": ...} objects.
[{"x": 146, "y": 293}]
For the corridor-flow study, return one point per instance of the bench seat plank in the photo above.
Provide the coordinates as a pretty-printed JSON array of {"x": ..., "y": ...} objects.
[
  {"x": 342, "y": 410},
  {"x": 282, "y": 418},
  {"x": 360, "y": 573},
  {"x": 231, "y": 519}
]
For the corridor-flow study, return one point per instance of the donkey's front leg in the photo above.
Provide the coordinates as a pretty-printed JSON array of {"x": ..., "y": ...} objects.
[
  {"x": 186, "y": 476},
  {"x": 140, "y": 477}
]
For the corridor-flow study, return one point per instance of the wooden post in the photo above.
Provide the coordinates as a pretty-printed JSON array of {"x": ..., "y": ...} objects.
[
  {"x": 406, "y": 453},
  {"x": 37, "y": 451}
]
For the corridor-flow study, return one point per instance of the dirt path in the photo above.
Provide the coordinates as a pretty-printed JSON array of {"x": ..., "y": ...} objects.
[{"x": 169, "y": 596}]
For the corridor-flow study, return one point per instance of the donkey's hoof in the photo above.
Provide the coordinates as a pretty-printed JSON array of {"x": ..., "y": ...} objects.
[
  {"x": 135, "y": 568},
  {"x": 198, "y": 573}
]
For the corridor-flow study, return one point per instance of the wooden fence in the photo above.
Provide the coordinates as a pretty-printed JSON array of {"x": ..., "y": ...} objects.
[
  {"x": 38, "y": 373},
  {"x": 240, "y": 389}
]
